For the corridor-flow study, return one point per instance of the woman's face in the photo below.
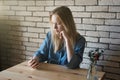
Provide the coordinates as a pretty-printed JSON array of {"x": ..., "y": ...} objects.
[{"x": 56, "y": 24}]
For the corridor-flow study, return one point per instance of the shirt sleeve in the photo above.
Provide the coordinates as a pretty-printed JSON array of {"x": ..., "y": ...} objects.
[
  {"x": 78, "y": 54},
  {"x": 42, "y": 52}
]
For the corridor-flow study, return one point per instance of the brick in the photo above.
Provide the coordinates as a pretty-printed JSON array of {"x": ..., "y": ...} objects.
[
  {"x": 115, "y": 41},
  {"x": 77, "y": 8},
  {"x": 103, "y": 15},
  {"x": 6, "y": 8},
  {"x": 112, "y": 52},
  {"x": 97, "y": 34},
  {"x": 46, "y": 19},
  {"x": 3, "y": 18},
  {"x": 10, "y": 3},
  {"x": 26, "y": 34},
  {"x": 10, "y": 22},
  {"x": 18, "y": 8},
  {"x": 50, "y": 8},
  {"x": 8, "y": 13},
  {"x": 16, "y": 33},
  {"x": 33, "y": 19},
  {"x": 26, "y": 3},
  {"x": 36, "y": 30},
  {"x": 5, "y": 46},
  {"x": 112, "y": 58},
  {"x": 97, "y": 45},
  {"x": 19, "y": 28},
  {"x": 109, "y": 28},
  {"x": 43, "y": 36},
  {"x": 28, "y": 53},
  {"x": 97, "y": 8},
  {"x": 18, "y": 47},
  {"x": 29, "y": 8},
  {"x": 85, "y": 60},
  {"x": 27, "y": 23},
  {"x": 105, "y": 40},
  {"x": 41, "y": 14},
  {"x": 44, "y": 3},
  {"x": 77, "y": 20},
  {"x": 118, "y": 15},
  {"x": 114, "y": 9},
  {"x": 112, "y": 22},
  {"x": 114, "y": 35},
  {"x": 81, "y": 32},
  {"x": 85, "y": 55},
  {"x": 108, "y": 2},
  {"x": 112, "y": 70},
  {"x": 112, "y": 76},
  {"x": 64, "y": 2},
  {"x": 43, "y": 24},
  {"x": 84, "y": 66},
  {"x": 91, "y": 39},
  {"x": 47, "y": 30},
  {"x": 114, "y": 47},
  {"x": 31, "y": 48},
  {"x": 23, "y": 13},
  {"x": 13, "y": 42},
  {"x": 93, "y": 21},
  {"x": 108, "y": 63},
  {"x": 87, "y": 49},
  {"x": 18, "y": 38},
  {"x": 30, "y": 44},
  {"x": 1, "y": 3},
  {"x": 14, "y": 51},
  {"x": 85, "y": 2},
  {"x": 85, "y": 27},
  {"x": 16, "y": 56},
  {"x": 19, "y": 18},
  {"x": 28, "y": 57},
  {"x": 81, "y": 14},
  {"x": 36, "y": 40}
]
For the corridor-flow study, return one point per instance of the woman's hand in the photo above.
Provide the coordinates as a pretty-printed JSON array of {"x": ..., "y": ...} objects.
[
  {"x": 68, "y": 44},
  {"x": 64, "y": 35},
  {"x": 34, "y": 62}
]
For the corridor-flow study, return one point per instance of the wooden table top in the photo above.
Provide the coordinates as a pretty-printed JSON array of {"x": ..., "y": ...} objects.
[{"x": 45, "y": 71}]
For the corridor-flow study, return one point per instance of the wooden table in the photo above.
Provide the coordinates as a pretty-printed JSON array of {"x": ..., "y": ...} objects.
[{"x": 45, "y": 71}]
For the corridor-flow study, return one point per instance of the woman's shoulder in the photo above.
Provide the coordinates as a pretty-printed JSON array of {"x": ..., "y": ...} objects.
[
  {"x": 80, "y": 38},
  {"x": 48, "y": 35}
]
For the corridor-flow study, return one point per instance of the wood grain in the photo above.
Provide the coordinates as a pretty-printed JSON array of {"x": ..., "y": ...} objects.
[{"x": 45, "y": 71}]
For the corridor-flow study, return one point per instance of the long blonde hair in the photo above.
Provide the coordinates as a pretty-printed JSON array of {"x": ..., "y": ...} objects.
[{"x": 66, "y": 17}]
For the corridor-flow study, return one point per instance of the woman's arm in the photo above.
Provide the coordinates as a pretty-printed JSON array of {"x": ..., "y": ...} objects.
[
  {"x": 41, "y": 54},
  {"x": 78, "y": 53}
]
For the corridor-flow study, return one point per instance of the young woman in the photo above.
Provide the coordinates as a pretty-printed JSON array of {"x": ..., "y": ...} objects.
[{"x": 63, "y": 45}]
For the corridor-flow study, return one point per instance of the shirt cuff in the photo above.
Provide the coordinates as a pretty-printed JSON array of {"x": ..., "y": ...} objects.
[{"x": 74, "y": 62}]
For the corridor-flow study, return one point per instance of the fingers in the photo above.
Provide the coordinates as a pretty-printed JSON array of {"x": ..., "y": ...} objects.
[
  {"x": 61, "y": 35},
  {"x": 33, "y": 63}
]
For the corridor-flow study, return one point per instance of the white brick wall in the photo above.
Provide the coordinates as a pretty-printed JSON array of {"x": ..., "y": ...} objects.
[
  {"x": 44, "y": 3},
  {"x": 85, "y": 2},
  {"x": 109, "y": 2},
  {"x": 103, "y": 15},
  {"x": 97, "y": 8},
  {"x": 24, "y": 24},
  {"x": 57, "y": 2},
  {"x": 93, "y": 21},
  {"x": 26, "y": 3}
]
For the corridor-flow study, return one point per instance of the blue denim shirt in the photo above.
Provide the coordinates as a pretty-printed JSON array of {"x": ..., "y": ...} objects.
[{"x": 46, "y": 52}]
